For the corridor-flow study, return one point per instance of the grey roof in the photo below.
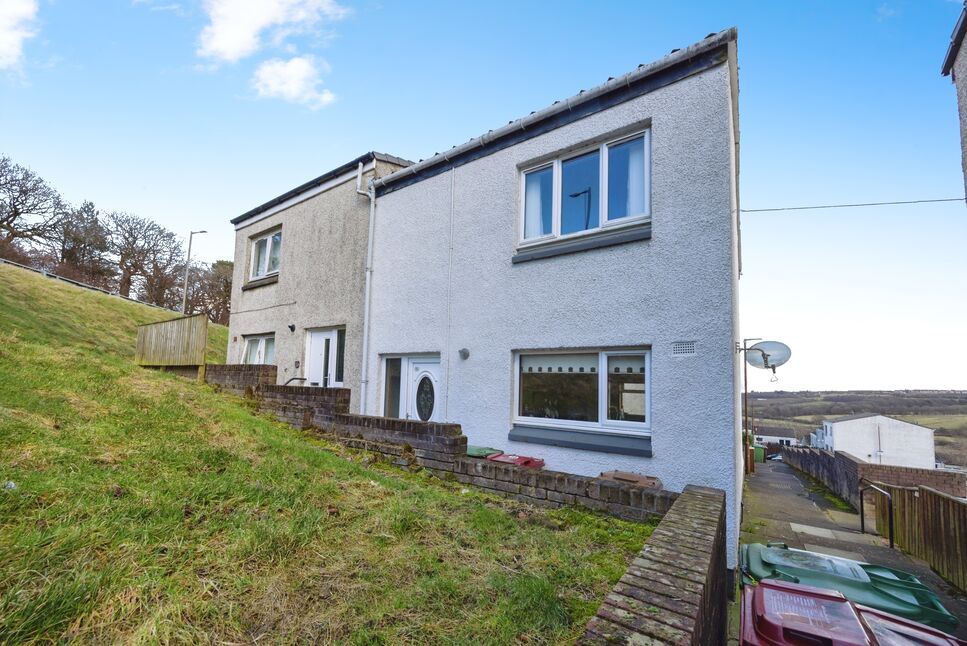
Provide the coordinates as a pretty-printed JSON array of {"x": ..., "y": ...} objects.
[
  {"x": 676, "y": 65},
  {"x": 956, "y": 39},
  {"x": 322, "y": 179}
]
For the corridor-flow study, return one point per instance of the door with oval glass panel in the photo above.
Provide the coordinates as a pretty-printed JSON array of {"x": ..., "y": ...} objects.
[
  {"x": 423, "y": 396},
  {"x": 411, "y": 388}
]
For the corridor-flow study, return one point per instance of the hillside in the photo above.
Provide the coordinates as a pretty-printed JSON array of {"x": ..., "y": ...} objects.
[
  {"x": 945, "y": 411},
  {"x": 147, "y": 508}
]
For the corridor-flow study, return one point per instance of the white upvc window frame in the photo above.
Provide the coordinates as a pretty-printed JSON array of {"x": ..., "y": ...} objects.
[
  {"x": 603, "y": 425},
  {"x": 603, "y": 222},
  {"x": 253, "y": 273},
  {"x": 260, "y": 353}
]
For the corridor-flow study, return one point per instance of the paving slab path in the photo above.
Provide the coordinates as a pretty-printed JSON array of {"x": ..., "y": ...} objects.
[{"x": 779, "y": 506}]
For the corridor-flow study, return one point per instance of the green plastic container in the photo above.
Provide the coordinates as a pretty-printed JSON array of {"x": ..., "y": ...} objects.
[
  {"x": 893, "y": 591},
  {"x": 481, "y": 451},
  {"x": 760, "y": 454}
]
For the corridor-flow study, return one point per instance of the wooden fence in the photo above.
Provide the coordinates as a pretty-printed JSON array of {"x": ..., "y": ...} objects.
[
  {"x": 178, "y": 342},
  {"x": 930, "y": 525}
]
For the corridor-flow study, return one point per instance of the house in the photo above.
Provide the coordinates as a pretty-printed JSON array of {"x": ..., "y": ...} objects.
[
  {"x": 955, "y": 66},
  {"x": 878, "y": 439},
  {"x": 565, "y": 285},
  {"x": 778, "y": 436},
  {"x": 299, "y": 281}
]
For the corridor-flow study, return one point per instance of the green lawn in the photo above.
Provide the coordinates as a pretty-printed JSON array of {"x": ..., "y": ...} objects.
[{"x": 149, "y": 509}]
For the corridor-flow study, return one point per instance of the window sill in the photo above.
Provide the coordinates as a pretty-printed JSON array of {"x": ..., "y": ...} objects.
[
  {"x": 598, "y": 239},
  {"x": 260, "y": 282},
  {"x": 603, "y": 441}
]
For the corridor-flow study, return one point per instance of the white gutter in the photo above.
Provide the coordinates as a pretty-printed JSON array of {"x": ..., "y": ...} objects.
[{"x": 371, "y": 194}]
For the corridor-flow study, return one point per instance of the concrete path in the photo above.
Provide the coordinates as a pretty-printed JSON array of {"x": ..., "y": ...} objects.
[{"x": 778, "y": 506}]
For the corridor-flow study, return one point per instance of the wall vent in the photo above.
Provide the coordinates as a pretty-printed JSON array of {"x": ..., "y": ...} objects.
[{"x": 683, "y": 348}]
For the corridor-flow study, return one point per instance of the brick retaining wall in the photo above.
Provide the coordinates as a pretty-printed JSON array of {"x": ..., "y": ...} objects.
[
  {"x": 841, "y": 472},
  {"x": 240, "y": 378},
  {"x": 675, "y": 591},
  {"x": 439, "y": 447}
]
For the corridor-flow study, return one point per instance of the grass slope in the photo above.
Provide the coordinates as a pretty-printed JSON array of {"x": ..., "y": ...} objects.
[{"x": 149, "y": 509}]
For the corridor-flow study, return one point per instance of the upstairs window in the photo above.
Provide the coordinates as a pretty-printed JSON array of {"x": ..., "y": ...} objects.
[
  {"x": 596, "y": 188},
  {"x": 266, "y": 253}
]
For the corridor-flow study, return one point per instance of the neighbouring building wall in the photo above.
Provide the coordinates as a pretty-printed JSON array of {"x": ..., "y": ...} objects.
[
  {"x": 444, "y": 280},
  {"x": 960, "y": 82},
  {"x": 884, "y": 440},
  {"x": 842, "y": 472},
  {"x": 321, "y": 278}
]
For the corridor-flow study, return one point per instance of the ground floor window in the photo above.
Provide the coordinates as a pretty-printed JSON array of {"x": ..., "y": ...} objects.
[
  {"x": 260, "y": 349},
  {"x": 595, "y": 390}
]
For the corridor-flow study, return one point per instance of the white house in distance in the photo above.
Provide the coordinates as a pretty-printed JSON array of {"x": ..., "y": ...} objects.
[
  {"x": 779, "y": 436},
  {"x": 878, "y": 439}
]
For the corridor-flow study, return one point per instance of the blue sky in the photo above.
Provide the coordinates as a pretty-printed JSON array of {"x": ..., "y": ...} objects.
[{"x": 192, "y": 112}]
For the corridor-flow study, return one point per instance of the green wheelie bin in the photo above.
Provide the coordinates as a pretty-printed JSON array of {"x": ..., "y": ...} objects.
[{"x": 893, "y": 591}]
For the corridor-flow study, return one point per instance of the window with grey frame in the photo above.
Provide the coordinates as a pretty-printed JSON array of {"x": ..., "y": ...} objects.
[
  {"x": 603, "y": 186},
  {"x": 591, "y": 390}
]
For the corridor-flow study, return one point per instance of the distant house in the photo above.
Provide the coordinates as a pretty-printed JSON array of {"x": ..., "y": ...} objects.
[
  {"x": 878, "y": 439},
  {"x": 955, "y": 66},
  {"x": 780, "y": 436}
]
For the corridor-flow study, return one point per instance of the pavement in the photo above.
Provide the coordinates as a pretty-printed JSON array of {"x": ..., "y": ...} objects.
[{"x": 779, "y": 506}]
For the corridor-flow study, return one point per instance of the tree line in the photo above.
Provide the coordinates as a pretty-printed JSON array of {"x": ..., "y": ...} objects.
[{"x": 120, "y": 252}]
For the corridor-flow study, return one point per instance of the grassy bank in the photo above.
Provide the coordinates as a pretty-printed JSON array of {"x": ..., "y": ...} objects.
[{"x": 146, "y": 509}]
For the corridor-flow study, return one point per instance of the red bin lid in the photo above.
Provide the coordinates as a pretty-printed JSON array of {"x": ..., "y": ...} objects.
[{"x": 777, "y": 613}]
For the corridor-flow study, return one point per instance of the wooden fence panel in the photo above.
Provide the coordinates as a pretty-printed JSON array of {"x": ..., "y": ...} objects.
[
  {"x": 178, "y": 342},
  {"x": 930, "y": 525}
]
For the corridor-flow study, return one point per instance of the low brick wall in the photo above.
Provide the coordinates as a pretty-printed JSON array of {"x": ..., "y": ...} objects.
[
  {"x": 240, "y": 378},
  {"x": 675, "y": 591},
  {"x": 841, "y": 472},
  {"x": 442, "y": 448}
]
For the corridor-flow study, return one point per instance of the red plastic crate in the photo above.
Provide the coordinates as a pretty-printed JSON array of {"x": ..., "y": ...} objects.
[{"x": 519, "y": 460}]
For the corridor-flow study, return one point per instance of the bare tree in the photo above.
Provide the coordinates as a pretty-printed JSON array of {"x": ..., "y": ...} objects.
[
  {"x": 78, "y": 247},
  {"x": 130, "y": 238},
  {"x": 29, "y": 208},
  {"x": 210, "y": 290},
  {"x": 159, "y": 282}
]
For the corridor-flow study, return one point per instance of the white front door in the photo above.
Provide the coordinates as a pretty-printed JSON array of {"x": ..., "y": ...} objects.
[
  {"x": 423, "y": 390},
  {"x": 324, "y": 358}
]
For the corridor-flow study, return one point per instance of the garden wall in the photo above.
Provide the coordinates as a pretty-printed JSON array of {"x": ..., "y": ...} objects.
[
  {"x": 439, "y": 447},
  {"x": 675, "y": 591},
  {"x": 841, "y": 472},
  {"x": 240, "y": 378}
]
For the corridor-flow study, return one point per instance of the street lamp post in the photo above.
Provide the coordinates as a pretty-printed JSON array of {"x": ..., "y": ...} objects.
[{"x": 184, "y": 292}]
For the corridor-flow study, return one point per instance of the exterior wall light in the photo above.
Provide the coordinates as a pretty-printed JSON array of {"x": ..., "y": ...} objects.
[{"x": 464, "y": 353}]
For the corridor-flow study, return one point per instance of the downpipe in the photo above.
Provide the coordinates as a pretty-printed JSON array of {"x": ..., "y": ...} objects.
[{"x": 370, "y": 192}]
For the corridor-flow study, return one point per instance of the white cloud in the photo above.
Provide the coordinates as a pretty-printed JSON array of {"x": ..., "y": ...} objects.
[
  {"x": 236, "y": 26},
  {"x": 296, "y": 80},
  {"x": 16, "y": 26}
]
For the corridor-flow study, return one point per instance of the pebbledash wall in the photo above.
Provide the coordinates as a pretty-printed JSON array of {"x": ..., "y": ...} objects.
[
  {"x": 464, "y": 289},
  {"x": 320, "y": 283},
  {"x": 841, "y": 472}
]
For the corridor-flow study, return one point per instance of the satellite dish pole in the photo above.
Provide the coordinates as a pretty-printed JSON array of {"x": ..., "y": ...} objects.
[{"x": 767, "y": 355}]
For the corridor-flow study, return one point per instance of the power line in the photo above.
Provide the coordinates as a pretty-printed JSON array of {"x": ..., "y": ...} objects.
[{"x": 847, "y": 206}]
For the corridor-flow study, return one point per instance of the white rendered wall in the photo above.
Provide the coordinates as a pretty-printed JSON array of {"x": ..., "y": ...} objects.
[
  {"x": 884, "y": 440},
  {"x": 443, "y": 280}
]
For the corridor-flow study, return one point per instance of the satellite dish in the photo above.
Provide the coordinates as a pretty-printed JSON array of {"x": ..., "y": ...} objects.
[{"x": 768, "y": 355}]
